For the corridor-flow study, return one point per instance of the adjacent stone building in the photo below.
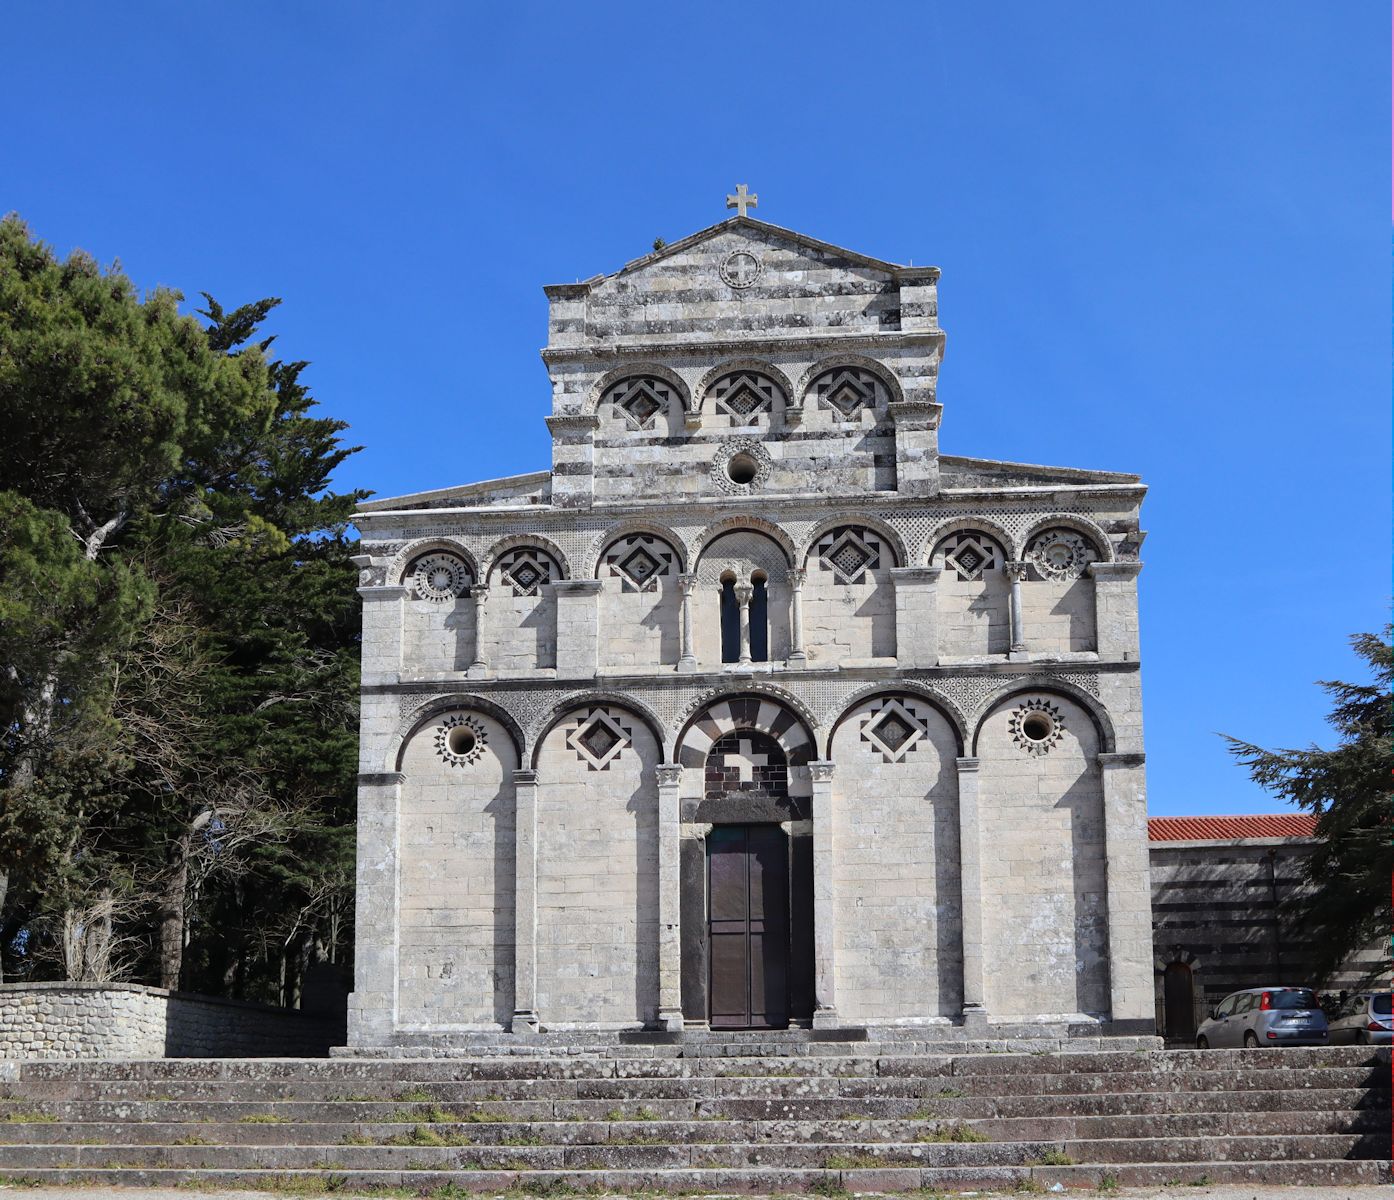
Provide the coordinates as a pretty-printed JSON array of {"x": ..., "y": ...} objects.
[{"x": 755, "y": 709}]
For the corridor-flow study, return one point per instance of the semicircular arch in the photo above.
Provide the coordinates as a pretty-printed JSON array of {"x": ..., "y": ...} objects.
[
  {"x": 630, "y": 371},
  {"x": 738, "y": 524},
  {"x": 1079, "y": 523},
  {"x": 412, "y": 723},
  {"x": 603, "y": 699},
  {"x": 776, "y": 715},
  {"x": 590, "y": 565},
  {"x": 878, "y": 526},
  {"x": 517, "y": 541},
  {"x": 894, "y": 392},
  {"x": 397, "y": 570},
  {"x": 1103, "y": 723},
  {"x": 924, "y": 553},
  {"x": 756, "y": 366},
  {"x": 900, "y": 687}
]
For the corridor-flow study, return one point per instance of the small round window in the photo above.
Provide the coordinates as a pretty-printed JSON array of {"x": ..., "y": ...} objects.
[
  {"x": 460, "y": 740},
  {"x": 742, "y": 468},
  {"x": 1036, "y": 725}
]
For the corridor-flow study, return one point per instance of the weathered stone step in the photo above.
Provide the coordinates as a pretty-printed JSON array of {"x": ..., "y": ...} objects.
[
  {"x": 1340, "y": 1172},
  {"x": 584, "y": 1087},
  {"x": 673, "y": 1156},
  {"x": 758, "y": 1109},
  {"x": 668, "y": 1061},
  {"x": 560, "y": 1133}
]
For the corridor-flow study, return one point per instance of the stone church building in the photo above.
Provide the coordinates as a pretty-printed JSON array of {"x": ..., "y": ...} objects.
[{"x": 755, "y": 710}]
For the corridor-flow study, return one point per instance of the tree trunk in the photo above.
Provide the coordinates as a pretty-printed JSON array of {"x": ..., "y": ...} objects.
[
  {"x": 171, "y": 911},
  {"x": 4, "y": 890}
]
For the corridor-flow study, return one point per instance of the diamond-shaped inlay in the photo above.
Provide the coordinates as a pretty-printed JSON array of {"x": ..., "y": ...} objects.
[
  {"x": 526, "y": 576},
  {"x": 639, "y": 400},
  {"x": 527, "y": 569},
  {"x": 969, "y": 554},
  {"x": 847, "y": 390},
  {"x": 638, "y": 561},
  {"x": 640, "y": 565},
  {"x": 742, "y": 394},
  {"x": 893, "y": 730},
  {"x": 743, "y": 402},
  {"x": 849, "y": 556},
  {"x": 598, "y": 740}
]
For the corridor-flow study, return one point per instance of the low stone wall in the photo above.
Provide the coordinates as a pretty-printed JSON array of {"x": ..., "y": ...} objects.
[{"x": 128, "y": 1020}]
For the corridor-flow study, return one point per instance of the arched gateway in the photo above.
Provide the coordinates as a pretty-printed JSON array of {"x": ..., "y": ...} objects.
[{"x": 753, "y": 711}]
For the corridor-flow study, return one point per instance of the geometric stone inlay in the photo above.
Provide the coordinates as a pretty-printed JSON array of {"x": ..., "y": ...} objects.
[
  {"x": 598, "y": 739},
  {"x": 460, "y": 740},
  {"x": 894, "y": 729},
  {"x": 742, "y": 394},
  {"x": 639, "y": 399},
  {"x": 527, "y": 569},
  {"x": 639, "y": 562},
  {"x": 849, "y": 551},
  {"x": 848, "y": 390},
  {"x": 970, "y": 553}
]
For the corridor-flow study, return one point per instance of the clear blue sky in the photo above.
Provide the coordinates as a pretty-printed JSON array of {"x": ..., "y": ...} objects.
[{"x": 1163, "y": 231}]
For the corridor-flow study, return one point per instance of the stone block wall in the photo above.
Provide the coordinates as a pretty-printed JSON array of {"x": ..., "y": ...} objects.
[{"x": 126, "y": 1020}]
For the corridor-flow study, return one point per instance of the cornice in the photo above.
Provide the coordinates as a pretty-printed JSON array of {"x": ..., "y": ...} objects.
[{"x": 708, "y": 347}]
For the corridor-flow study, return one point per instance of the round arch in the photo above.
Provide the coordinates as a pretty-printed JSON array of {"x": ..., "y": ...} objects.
[
  {"x": 900, "y": 687},
  {"x": 759, "y": 366},
  {"x": 771, "y": 714},
  {"x": 518, "y": 540},
  {"x": 657, "y": 370},
  {"x": 894, "y": 393},
  {"x": 590, "y": 565},
  {"x": 738, "y": 524},
  {"x": 408, "y": 554},
  {"x": 554, "y": 716},
  {"x": 886, "y": 532},
  {"x": 1103, "y": 723},
  {"x": 412, "y": 723},
  {"x": 925, "y": 552},
  {"x": 1080, "y": 524}
]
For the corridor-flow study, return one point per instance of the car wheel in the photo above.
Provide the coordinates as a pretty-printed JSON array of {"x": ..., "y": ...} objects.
[
  {"x": 1250, "y": 1040},
  {"x": 1202, "y": 1043}
]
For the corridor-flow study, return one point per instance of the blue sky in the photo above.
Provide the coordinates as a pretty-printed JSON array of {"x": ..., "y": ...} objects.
[{"x": 1163, "y": 234}]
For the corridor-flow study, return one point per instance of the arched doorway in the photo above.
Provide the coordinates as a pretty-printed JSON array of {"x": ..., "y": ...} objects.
[{"x": 1178, "y": 1003}]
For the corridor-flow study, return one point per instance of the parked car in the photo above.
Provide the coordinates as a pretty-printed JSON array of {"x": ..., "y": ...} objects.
[
  {"x": 1366, "y": 1018},
  {"x": 1265, "y": 1016}
]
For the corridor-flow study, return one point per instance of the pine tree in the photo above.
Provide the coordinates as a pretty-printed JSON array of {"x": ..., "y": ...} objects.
[{"x": 1347, "y": 905}]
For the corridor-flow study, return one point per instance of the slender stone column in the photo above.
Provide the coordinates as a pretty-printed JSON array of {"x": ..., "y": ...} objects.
[
  {"x": 744, "y": 592},
  {"x": 480, "y": 595},
  {"x": 1016, "y": 572},
  {"x": 669, "y": 898},
  {"x": 687, "y": 662},
  {"x": 797, "y": 654},
  {"x": 1131, "y": 999},
  {"x": 372, "y": 1009},
  {"x": 382, "y": 632},
  {"x": 971, "y": 896},
  {"x": 824, "y": 921},
  {"x": 525, "y": 1018}
]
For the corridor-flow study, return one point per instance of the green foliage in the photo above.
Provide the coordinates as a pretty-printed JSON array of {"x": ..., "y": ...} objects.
[
  {"x": 1347, "y": 788},
  {"x": 179, "y": 633}
]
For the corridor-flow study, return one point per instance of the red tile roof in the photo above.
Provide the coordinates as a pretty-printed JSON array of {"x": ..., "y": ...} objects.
[{"x": 1224, "y": 829}]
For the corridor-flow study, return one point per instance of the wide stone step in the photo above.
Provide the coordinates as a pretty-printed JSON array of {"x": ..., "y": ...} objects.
[
  {"x": 1340, "y": 1172},
  {"x": 774, "y": 1086},
  {"x": 563, "y": 1133},
  {"x": 934, "y": 1105},
  {"x": 706, "y": 1156}
]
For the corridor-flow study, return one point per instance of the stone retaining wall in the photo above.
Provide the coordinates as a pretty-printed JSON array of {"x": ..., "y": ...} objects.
[{"x": 127, "y": 1020}]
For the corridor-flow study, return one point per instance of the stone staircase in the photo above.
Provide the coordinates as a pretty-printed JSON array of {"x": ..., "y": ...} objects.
[{"x": 721, "y": 1114}]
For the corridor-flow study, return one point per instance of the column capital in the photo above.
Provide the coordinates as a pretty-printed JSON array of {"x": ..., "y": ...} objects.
[
  {"x": 479, "y": 592},
  {"x": 1114, "y": 570},
  {"x": 524, "y": 777},
  {"x": 687, "y": 582},
  {"x": 578, "y": 587},
  {"x": 821, "y": 770},
  {"x": 1016, "y": 571},
  {"x": 922, "y": 575},
  {"x": 797, "y": 577},
  {"x": 744, "y": 591},
  {"x": 967, "y": 766},
  {"x": 669, "y": 774},
  {"x": 380, "y": 778}
]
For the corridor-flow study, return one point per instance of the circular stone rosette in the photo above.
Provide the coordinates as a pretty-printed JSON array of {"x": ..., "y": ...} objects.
[
  {"x": 460, "y": 740},
  {"x": 741, "y": 466},
  {"x": 741, "y": 269},
  {"x": 440, "y": 577},
  {"x": 1036, "y": 726},
  {"x": 1060, "y": 554}
]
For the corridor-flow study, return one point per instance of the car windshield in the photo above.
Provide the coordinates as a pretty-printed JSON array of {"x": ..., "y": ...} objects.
[
  {"x": 1379, "y": 1004},
  {"x": 1292, "y": 998}
]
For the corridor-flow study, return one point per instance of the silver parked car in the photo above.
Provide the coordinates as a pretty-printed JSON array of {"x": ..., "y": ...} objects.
[
  {"x": 1366, "y": 1018},
  {"x": 1265, "y": 1016}
]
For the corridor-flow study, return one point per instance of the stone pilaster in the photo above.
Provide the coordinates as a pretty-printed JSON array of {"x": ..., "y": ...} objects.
[
  {"x": 970, "y": 875},
  {"x": 669, "y": 898},
  {"x": 573, "y": 454},
  {"x": 1129, "y": 892},
  {"x": 1115, "y": 609},
  {"x": 916, "y": 615},
  {"x": 578, "y": 627},
  {"x": 824, "y": 899},
  {"x": 382, "y": 632},
  {"x": 525, "y": 1018},
  {"x": 372, "y": 1010},
  {"x": 916, "y": 446}
]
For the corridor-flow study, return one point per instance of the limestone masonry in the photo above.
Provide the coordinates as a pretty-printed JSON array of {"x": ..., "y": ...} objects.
[{"x": 755, "y": 710}]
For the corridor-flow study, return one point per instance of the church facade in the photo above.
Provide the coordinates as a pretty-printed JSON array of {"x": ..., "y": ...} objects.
[{"x": 755, "y": 710}]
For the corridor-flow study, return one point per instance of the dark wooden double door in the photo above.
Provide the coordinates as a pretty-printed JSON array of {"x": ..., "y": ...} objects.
[{"x": 757, "y": 978}]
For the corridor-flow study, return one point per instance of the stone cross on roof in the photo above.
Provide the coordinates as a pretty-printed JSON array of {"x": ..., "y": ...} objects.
[{"x": 742, "y": 200}]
